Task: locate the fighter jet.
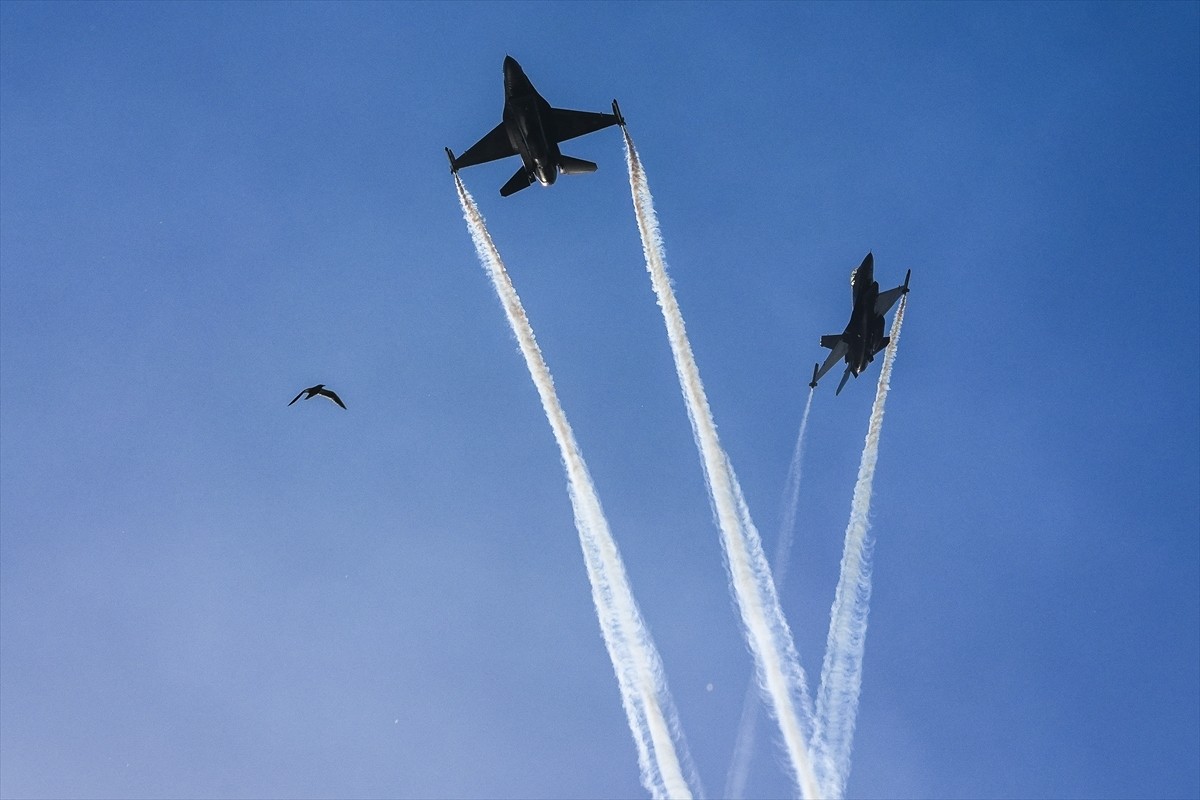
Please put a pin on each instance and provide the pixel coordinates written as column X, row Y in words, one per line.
column 319, row 389
column 533, row 129
column 863, row 337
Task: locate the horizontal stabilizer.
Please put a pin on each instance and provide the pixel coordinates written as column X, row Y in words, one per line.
column 845, row 377
column 575, row 166
column 882, row 343
column 829, row 342
column 516, row 183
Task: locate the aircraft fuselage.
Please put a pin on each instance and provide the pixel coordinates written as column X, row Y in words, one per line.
column 865, row 328
column 525, row 112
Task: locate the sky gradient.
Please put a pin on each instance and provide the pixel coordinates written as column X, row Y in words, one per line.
column 207, row 207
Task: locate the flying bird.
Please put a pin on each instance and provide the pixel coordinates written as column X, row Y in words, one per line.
column 319, row 389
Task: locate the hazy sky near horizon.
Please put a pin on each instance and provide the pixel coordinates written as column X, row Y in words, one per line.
column 206, row 207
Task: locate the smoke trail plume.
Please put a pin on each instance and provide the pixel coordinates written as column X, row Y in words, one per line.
column 644, row 693
column 743, row 746
column 841, row 674
column 767, row 633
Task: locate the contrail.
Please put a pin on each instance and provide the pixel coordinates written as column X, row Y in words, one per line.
column 767, row 633
column 644, row 693
column 743, row 747
column 841, row 674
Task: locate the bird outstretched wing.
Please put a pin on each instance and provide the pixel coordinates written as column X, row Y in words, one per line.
column 332, row 396
column 297, row 397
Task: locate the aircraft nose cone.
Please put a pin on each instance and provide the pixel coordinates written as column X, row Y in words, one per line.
column 515, row 81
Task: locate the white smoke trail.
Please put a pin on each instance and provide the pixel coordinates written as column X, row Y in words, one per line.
column 644, row 693
column 743, row 746
column 841, row 674
column 791, row 500
column 767, row 632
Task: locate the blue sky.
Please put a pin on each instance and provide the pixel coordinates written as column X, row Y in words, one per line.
column 204, row 208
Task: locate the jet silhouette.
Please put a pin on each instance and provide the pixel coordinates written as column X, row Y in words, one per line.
column 533, row 129
column 863, row 337
column 319, row 389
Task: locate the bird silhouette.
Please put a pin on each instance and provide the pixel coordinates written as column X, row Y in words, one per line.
column 319, row 389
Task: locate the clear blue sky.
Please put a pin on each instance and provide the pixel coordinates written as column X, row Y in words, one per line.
column 204, row 208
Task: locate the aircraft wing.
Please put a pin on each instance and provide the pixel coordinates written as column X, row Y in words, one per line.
column 570, row 124
column 492, row 147
column 839, row 352
column 885, row 300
